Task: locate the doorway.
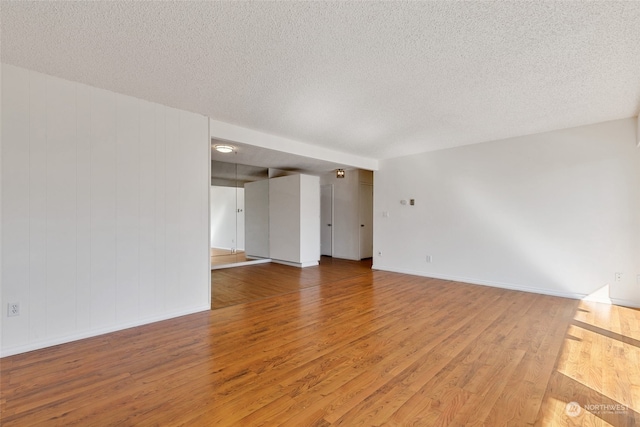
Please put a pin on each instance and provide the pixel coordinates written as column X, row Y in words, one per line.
column 365, row 210
column 326, row 220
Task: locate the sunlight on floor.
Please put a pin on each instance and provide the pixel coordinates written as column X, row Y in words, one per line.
column 613, row 318
column 598, row 369
column 600, row 363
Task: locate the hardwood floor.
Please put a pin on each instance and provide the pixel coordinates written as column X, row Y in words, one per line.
column 246, row 284
column 223, row 257
column 372, row 348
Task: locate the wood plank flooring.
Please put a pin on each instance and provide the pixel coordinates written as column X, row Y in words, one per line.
column 246, row 284
column 373, row 348
column 223, row 257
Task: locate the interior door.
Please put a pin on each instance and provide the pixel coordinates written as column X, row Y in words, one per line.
column 326, row 220
column 365, row 196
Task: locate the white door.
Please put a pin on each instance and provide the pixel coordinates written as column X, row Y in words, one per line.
column 366, row 220
column 326, row 220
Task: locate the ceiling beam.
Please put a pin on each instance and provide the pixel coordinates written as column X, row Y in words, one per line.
column 233, row 133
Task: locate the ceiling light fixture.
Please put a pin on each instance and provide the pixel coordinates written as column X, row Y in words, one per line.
column 339, row 173
column 223, row 148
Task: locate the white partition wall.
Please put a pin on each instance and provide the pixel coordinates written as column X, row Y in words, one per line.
column 294, row 220
column 104, row 211
column 309, row 220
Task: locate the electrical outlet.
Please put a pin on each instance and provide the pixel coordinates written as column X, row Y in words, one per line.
column 429, row 258
column 617, row 277
column 13, row 309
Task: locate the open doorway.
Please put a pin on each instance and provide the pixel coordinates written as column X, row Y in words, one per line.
column 365, row 210
column 326, row 220
column 347, row 214
column 341, row 209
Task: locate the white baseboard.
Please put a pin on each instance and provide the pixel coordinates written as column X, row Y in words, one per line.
column 625, row 303
column 296, row 264
column 251, row 261
column 96, row 332
column 231, row 250
column 493, row 284
column 510, row 286
column 309, row 264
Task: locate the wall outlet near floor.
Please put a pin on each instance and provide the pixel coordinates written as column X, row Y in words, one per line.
column 429, row 258
column 13, row 309
column 617, row 277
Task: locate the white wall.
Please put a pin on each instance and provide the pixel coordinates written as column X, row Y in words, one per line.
column 104, row 211
column 555, row 213
column 294, row 220
column 284, row 218
column 309, row 220
column 227, row 224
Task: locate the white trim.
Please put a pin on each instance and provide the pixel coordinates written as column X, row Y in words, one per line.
column 209, row 290
column 625, row 303
column 510, row 286
column 309, row 264
column 251, row 261
column 492, row 284
column 332, row 217
column 296, row 264
column 257, row 258
column 94, row 333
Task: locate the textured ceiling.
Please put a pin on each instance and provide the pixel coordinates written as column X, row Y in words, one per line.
column 378, row 79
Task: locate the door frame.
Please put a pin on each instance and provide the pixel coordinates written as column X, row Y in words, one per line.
column 361, row 214
column 332, row 217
